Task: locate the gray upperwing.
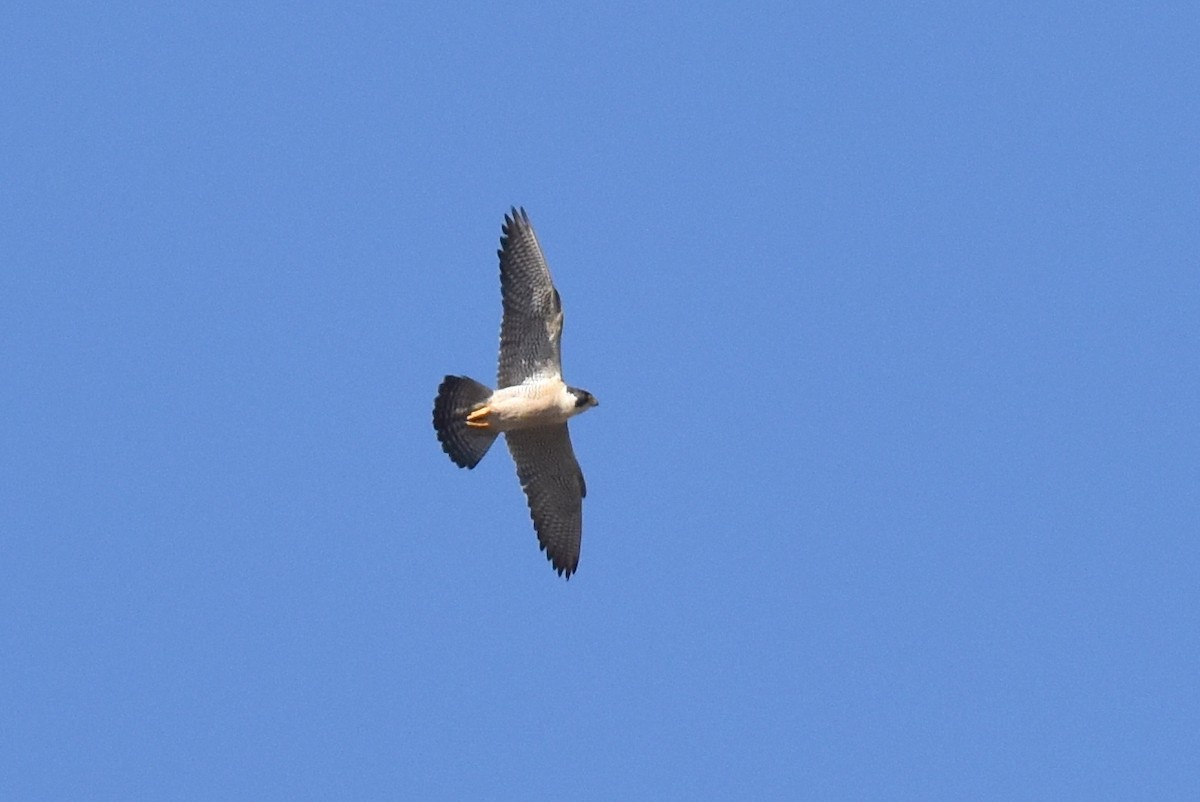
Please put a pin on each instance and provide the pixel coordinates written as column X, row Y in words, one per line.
column 554, row 487
column 531, row 329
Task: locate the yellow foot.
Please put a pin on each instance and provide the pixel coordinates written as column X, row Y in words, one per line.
column 478, row 418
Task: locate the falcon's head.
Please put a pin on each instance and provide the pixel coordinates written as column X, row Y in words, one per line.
column 583, row 399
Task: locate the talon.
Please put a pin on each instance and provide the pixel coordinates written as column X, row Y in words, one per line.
column 478, row 418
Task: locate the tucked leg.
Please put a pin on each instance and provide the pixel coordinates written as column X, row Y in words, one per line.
column 478, row 417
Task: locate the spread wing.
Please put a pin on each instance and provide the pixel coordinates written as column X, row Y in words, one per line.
column 532, row 325
column 555, row 489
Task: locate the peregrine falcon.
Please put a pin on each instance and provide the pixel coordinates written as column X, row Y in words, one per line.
column 532, row 404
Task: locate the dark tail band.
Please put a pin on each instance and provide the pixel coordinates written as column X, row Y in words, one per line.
column 456, row 396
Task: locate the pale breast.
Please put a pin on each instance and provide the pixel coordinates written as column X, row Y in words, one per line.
column 532, row 404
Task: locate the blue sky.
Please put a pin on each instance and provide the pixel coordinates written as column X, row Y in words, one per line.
column 892, row 313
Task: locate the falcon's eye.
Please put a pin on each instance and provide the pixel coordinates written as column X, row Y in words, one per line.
column 582, row 399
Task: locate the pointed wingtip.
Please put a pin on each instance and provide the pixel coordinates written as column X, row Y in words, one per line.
column 516, row 223
column 563, row 570
column 515, row 215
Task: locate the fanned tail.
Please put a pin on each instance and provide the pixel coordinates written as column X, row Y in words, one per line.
column 457, row 396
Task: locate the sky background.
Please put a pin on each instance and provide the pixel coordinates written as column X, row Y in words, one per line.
column 893, row 314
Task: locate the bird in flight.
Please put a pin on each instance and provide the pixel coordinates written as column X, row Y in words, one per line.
column 531, row 406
